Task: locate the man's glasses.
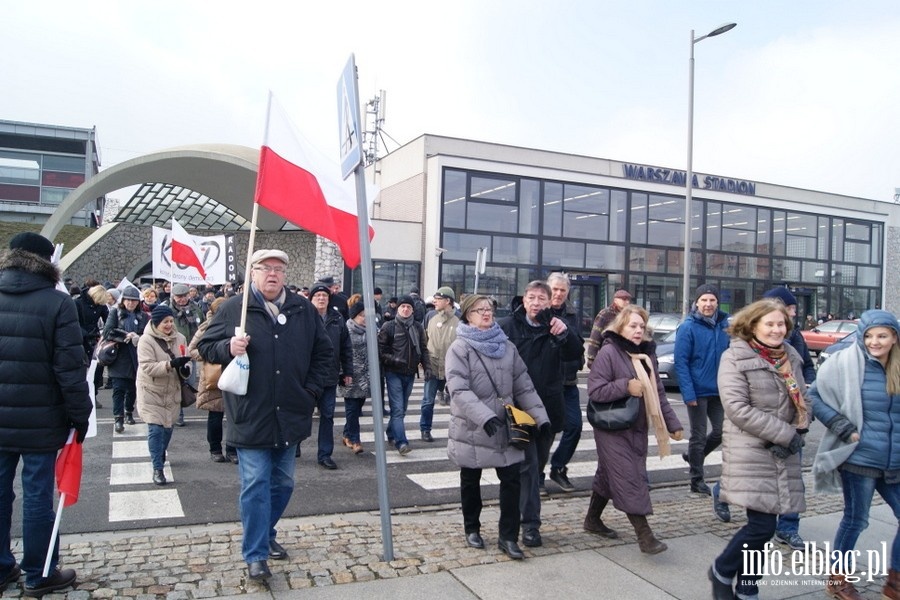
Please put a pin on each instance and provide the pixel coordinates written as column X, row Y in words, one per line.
column 270, row 269
column 483, row 311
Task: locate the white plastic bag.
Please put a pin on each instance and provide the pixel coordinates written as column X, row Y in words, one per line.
column 236, row 375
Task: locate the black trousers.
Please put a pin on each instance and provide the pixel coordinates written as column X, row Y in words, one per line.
column 470, row 495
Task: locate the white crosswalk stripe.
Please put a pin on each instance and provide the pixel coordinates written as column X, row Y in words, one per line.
column 445, row 475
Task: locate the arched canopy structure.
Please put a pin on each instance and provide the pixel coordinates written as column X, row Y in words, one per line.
column 224, row 172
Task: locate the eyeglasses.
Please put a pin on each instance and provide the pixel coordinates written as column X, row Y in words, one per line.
column 270, row 269
column 483, row 311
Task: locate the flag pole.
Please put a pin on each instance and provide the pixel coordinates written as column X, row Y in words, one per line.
column 253, row 226
column 59, row 510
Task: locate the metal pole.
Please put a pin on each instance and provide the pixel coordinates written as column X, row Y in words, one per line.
column 368, row 282
column 689, row 185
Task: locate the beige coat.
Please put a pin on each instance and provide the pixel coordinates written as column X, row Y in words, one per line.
column 208, row 397
column 758, row 411
column 158, row 386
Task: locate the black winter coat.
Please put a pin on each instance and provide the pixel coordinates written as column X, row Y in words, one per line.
column 567, row 313
column 90, row 315
column 336, row 328
column 125, row 365
column 289, row 364
column 43, row 379
column 544, row 354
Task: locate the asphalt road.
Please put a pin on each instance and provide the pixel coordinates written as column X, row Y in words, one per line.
column 207, row 492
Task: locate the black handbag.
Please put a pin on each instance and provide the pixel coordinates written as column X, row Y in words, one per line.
column 107, row 352
column 615, row 415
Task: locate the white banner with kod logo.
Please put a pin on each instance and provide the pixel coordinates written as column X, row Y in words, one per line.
column 217, row 254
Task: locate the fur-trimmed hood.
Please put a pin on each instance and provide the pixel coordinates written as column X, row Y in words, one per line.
column 18, row 269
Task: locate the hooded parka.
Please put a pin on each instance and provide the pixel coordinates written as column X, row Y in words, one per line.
column 43, row 382
column 759, row 411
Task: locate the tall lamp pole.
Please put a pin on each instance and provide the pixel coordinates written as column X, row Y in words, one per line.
column 689, row 183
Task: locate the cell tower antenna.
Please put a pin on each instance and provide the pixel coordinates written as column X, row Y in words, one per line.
column 375, row 111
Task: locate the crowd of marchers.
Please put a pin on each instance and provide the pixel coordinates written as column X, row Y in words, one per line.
column 511, row 384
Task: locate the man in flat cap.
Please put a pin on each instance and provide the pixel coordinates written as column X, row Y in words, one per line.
column 290, row 357
column 43, row 394
column 621, row 299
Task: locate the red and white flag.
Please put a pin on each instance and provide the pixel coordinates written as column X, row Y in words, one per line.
column 302, row 185
column 185, row 251
column 68, row 471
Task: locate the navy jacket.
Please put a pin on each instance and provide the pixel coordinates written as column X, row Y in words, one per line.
column 289, row 364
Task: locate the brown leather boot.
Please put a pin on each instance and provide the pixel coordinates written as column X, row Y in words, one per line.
column 891, row 589
column 838, row 587
column 647, row 542
column 593, row 523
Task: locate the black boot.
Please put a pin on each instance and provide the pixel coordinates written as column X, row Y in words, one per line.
column 120, row 425
column 593, row 523
column 129, row 418
column 159, row 478
column 647, row 542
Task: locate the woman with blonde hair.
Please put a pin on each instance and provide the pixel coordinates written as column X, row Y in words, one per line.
column 856, row 397
column 761, row 385
column 626, row 366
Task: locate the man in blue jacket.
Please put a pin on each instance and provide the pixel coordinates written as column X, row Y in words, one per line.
column 43, row 394
column 699, row 345
column 290, row 358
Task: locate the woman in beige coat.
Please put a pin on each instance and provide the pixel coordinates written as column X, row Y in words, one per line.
column 761, row 385
column 162, row 356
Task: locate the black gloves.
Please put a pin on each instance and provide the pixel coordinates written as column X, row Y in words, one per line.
column 842, row 427
column 544, row 317
column 493, row 426
column 428, row 375
column 783, row 452
column 179, row 361
column 80, row 431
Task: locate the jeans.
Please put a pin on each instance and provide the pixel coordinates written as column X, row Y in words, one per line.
column 432, row 386
column 399, row 388
column 267, row 482
column 858, row 493
column 325, row 404
column 571, row 433
column 700, row 444
column 215, row 432
column 37, row 512
column 530, row 477
column 157, row 441
column 470, row 496
column 352, row 411
column 759, row 529
column 123, row 394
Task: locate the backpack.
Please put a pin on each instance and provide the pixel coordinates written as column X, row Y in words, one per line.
column 418, row 309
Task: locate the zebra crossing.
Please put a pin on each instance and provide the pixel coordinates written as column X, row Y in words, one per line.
column 133, row 498
column 444, row 475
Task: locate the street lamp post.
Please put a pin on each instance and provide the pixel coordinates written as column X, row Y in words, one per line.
column 689, row 183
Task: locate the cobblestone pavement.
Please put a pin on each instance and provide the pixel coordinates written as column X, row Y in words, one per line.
column 205, row 562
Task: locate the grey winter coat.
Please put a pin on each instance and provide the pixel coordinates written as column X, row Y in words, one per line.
column 473, row 402
column 360, row 371
column 759, row 411
column 622, row 455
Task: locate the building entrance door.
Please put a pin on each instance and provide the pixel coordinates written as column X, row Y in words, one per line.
column 587, row 296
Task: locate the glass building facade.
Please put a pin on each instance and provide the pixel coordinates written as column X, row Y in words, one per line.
column 609, row 237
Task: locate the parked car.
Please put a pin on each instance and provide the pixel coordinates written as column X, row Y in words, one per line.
column 665, row 354
column 847, row 340
column 662, row 324
column 827, row 333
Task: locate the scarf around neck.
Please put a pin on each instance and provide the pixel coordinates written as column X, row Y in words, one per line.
column 490, row 342
column 407, row 323
column 778, row 358
column 273, row 307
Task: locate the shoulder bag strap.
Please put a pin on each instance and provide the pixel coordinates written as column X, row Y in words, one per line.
column 488, row 373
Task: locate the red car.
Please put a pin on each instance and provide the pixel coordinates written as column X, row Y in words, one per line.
column 828, row 333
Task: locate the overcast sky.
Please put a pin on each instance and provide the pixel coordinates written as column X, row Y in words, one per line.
column 801, row 93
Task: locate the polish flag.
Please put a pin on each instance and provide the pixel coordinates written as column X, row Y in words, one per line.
column 184, row 250
column 68, row 471
column 302, row 185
